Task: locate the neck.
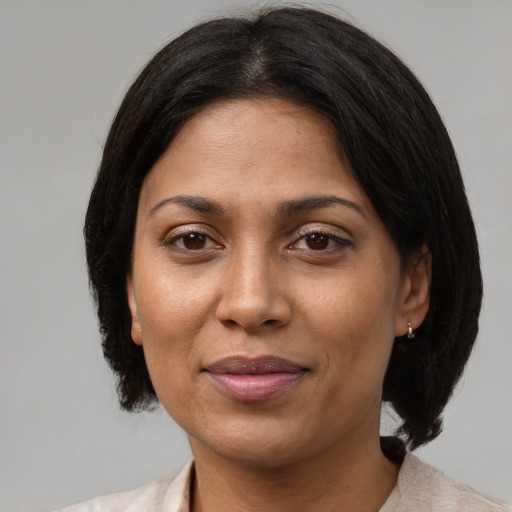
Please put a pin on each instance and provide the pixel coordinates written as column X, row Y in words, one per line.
column 350, row 479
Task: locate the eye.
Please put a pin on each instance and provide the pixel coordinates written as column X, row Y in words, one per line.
column 193, row 241
column 319, row 241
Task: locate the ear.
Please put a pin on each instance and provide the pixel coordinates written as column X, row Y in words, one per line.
column 414, row 297
column 132, row 304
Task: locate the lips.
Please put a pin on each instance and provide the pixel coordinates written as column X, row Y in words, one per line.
column 252, row 380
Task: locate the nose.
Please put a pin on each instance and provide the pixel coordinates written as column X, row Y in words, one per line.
column 253, row 295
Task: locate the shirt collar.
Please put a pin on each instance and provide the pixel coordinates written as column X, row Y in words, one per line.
column 177, row 496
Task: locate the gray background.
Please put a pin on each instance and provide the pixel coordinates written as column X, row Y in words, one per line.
column 64, row 67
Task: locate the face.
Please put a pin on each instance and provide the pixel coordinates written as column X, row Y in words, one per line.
column 265, row 291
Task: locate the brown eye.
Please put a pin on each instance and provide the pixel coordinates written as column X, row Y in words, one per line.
column 194, row 241
column 317, row 241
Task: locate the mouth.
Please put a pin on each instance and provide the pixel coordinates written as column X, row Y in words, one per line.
column 252, row 380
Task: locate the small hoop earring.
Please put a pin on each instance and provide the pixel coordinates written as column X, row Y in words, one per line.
column 410, row 331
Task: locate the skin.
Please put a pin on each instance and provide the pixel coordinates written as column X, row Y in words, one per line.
column 322, row 286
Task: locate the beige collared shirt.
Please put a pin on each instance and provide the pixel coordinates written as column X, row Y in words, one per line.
column 420, row 488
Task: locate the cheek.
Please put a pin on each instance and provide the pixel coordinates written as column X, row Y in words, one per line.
column 354, row 328
column 171, row 312
column 356, row 321
column 171, row 303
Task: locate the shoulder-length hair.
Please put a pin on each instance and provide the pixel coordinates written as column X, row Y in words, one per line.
column 395, row 142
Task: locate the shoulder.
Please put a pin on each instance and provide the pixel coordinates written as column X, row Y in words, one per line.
column 422, row 487
column 166, row 493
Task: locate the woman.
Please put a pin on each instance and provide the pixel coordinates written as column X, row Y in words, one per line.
column 279, row 241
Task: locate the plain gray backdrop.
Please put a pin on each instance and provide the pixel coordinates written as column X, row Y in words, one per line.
column 65, row 65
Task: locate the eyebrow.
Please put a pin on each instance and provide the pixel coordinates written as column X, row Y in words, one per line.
column 290, row 208
column 200, row 204
column 286, row 209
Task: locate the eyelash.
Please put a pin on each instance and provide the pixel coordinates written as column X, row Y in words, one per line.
column 304, row 234
column 176, row 237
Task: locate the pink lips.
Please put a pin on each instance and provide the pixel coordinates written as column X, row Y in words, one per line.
column 252, row 380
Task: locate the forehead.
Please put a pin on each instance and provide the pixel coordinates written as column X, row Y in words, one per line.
column 258, row 149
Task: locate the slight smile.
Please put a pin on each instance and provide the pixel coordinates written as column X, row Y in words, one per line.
column 252, row 380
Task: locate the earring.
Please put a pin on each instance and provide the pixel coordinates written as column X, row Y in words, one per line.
column 410, row 331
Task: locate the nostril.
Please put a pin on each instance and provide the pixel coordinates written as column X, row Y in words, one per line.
column 251, row 326
column 252, row 308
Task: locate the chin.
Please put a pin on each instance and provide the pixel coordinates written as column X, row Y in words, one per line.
column 260, row 443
